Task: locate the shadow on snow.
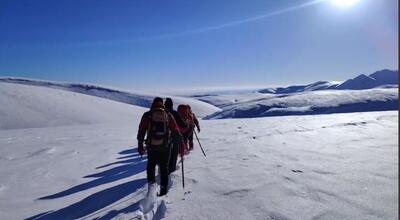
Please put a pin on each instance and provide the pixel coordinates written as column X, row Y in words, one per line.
column 133, row 164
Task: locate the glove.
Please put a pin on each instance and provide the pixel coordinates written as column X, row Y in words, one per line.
column 198, row 129
column 141, row 149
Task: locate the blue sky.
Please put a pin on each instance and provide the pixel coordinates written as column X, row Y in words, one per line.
column 149, row 44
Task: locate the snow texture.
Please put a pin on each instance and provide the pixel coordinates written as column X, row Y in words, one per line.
column 341, row 166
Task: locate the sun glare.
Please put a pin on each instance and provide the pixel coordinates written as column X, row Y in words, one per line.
column 344, row 3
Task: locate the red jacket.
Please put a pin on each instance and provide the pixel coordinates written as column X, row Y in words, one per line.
column 145, row 122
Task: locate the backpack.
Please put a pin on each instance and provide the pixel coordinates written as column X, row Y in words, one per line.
column 158, row 131
column 186, row 115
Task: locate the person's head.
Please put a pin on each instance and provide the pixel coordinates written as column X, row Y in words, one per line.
column 157, row 103
column 168, row 103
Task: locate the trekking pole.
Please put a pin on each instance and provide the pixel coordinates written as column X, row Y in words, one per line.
column 199, row 142
column 183, row 174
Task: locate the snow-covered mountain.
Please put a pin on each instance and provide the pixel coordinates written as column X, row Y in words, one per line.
column 383, row 78
column 313, row 102
column 378, row 79
column 360, row 82
column 320, row 85
column 386, row 77
column 376, row 92
column 225, row 100
column 133, row 98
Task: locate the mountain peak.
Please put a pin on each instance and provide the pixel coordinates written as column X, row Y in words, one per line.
column 362, row 81
column 363, row 77
column 386, row 76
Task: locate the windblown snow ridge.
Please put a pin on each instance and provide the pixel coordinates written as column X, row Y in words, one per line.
column 26, row 106
column 143, row 100
column 103, row 92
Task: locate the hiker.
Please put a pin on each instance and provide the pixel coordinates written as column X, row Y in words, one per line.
column 176, row 137
column 195, row 123
column 157, row 125
column 191, row 120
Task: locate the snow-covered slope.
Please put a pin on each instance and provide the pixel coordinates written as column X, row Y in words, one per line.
column 79, row 161
column 320, row 85
column 314, row 102
column 25, row 106
column 224, row 100
column 134, row 98
column 341, row 166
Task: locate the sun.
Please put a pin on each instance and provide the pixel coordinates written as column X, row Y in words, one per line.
column 344, row 3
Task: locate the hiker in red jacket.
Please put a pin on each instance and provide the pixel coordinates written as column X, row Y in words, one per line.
column 157, row 125
column 191, row 120
column 176, row 138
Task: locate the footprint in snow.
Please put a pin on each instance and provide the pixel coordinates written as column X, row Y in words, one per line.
column 297, row 171
column 49, row 150
column 289, row 179
column 193, row 181
column 323, row 172
column 237, row 193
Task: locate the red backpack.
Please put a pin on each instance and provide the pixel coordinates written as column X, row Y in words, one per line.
column 186, row 114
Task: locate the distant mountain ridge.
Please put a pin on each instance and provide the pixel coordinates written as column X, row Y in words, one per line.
column 375, row 92
column 382, row 78
column 313, row 103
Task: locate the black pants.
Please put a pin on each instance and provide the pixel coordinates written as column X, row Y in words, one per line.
column 176, row 141
column 190, row 139
column 160, row 158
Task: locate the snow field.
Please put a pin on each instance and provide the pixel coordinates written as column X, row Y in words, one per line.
column 65, row 155
column 341, row 166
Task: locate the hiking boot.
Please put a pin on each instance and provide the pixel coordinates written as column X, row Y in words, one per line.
column 163, row 191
